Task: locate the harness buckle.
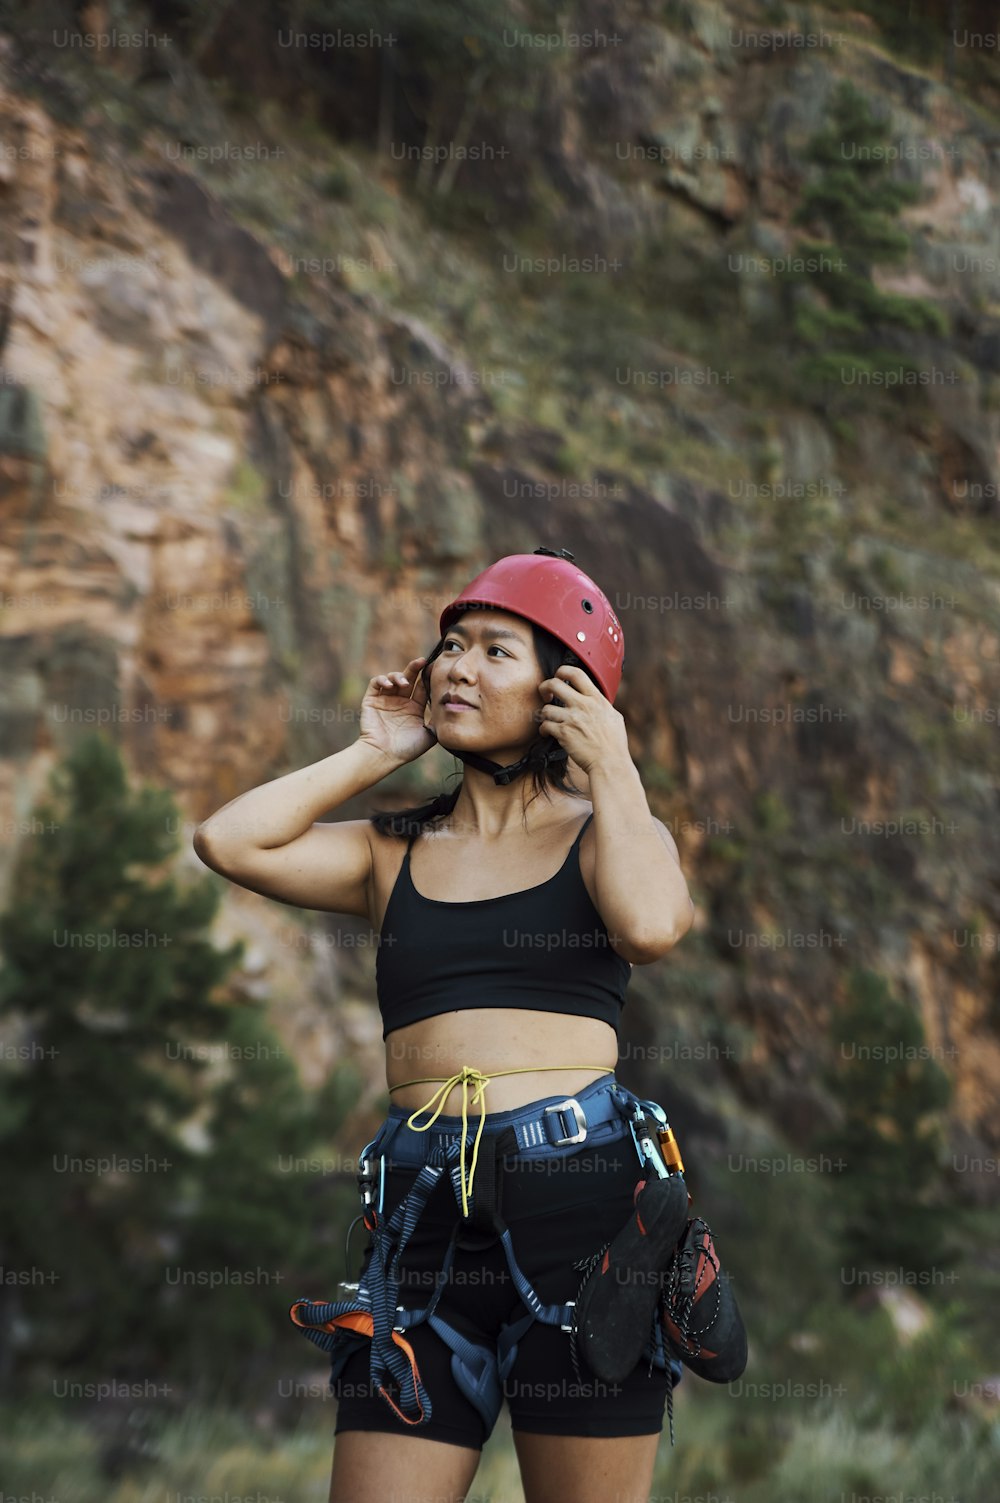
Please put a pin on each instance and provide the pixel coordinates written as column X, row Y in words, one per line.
column 564, row 1327
column 571, row 1104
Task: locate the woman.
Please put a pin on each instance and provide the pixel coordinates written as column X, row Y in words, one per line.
column 508, row 928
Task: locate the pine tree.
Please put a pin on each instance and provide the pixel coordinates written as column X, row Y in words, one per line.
column 125, row 1160
column 106, row 970
column 255, row 1226
column 453, row 63
column 892, row 1136
column 851, row 328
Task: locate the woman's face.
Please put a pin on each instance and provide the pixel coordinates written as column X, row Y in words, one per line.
column 487, row 659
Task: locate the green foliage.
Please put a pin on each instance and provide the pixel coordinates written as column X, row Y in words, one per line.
column 248, row 488
column 22, row 428
column 910, row 1378
column 656, row 777
column 924, row 30
column 247, row 1224
column 729, row 851
column 771, row 814
column 142, row 1120
column 455, row 61
column 336, row 183
column 848, row 330
column 892, row 1095
column 442, row 34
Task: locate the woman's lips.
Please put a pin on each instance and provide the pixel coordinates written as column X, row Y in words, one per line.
column 459, row 707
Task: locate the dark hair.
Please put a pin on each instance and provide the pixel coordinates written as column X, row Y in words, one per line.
column 546, row 758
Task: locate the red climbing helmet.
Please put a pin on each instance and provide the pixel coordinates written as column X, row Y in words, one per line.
column 554, row 594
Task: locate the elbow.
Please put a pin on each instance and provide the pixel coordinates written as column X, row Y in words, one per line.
column 686, row 920
column 202, row 842
column 683, row 924
column 647, row 948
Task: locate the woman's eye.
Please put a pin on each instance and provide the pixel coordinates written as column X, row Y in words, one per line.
column 489, row 649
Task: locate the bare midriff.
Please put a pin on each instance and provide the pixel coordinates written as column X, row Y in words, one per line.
column 540, row 1045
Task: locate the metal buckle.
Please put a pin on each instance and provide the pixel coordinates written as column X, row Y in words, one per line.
column 571, row 1104
column 366, row 1179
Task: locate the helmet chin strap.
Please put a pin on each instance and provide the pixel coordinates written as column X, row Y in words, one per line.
column 503, row 775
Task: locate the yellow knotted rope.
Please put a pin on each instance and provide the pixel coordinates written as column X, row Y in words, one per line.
column 463, row 1078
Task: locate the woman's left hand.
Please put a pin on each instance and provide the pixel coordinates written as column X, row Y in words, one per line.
column 586, row 725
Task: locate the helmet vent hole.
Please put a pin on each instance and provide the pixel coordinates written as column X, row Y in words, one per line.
column 588, row 606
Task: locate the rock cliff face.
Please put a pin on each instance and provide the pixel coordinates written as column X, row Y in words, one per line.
column 229, row 493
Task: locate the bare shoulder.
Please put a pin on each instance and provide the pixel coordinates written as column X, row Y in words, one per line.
column 588, row 858
column 587, row 844
column 588, row 849
column 387, row 859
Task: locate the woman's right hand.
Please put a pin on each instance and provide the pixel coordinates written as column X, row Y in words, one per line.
column 392, row 714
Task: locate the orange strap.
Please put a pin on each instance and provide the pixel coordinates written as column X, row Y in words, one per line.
column 364, row 1322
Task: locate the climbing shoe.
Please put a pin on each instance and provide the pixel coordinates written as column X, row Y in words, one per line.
column 698, row 1309
column 616, row 1303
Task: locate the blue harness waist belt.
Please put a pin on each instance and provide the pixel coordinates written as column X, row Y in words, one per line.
column 555, row 1127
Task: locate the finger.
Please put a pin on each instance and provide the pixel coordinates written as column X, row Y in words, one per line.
column 418, row 682
column 558, row 686
column 575, row 677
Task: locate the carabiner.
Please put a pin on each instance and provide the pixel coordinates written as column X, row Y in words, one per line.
column 653, row 1109
column 649, row 1149
column 669, row 1149
column 366, row 1185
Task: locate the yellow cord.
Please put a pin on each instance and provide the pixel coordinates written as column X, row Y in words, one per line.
column 463, row 1077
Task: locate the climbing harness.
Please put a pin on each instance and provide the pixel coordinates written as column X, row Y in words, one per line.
column 601, row 1112
column 466, row 1077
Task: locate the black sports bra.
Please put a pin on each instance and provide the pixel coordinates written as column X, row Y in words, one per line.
column 545, row 948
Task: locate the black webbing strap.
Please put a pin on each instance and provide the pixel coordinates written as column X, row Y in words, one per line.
column 485, row 1222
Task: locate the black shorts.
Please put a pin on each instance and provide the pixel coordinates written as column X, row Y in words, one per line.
column 558, row 1211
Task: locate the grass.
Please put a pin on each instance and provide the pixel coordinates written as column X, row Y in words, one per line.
column 832, row 1403
column 846, row 1418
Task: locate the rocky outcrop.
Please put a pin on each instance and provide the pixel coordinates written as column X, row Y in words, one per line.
column 230, row 493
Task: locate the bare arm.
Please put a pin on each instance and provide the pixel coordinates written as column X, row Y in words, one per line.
column 268, row 839
column 642, row 894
